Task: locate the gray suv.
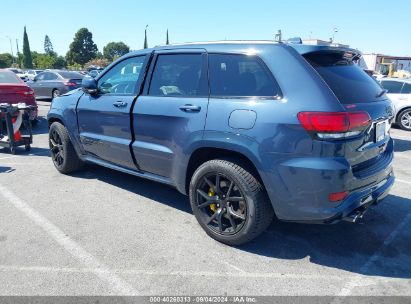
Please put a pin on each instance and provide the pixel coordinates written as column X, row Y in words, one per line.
column 247, row 130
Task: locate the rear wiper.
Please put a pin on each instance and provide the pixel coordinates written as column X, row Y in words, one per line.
column 381, row 93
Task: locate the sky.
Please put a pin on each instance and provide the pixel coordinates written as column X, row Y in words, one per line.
column 372, row 26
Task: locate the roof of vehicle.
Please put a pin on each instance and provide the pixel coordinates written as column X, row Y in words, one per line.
column 217, row 46
column 407, row 80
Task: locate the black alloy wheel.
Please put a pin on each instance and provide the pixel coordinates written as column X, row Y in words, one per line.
column 222, row 205
column 56, row 148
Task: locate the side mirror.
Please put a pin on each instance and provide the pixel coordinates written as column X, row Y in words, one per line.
column 89, row 85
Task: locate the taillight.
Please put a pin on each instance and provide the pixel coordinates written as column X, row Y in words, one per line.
column 337, row 196
column 26, row 93
column 70, row 84
column 334, row 125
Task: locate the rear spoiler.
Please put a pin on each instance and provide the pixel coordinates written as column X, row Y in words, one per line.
column 304, row 49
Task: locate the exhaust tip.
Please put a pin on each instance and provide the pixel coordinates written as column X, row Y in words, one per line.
column 353, row 217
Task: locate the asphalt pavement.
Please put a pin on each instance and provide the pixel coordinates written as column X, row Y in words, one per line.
column 101, row 232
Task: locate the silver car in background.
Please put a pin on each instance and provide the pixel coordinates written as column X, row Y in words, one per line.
column 399, row 91
column 53, row 83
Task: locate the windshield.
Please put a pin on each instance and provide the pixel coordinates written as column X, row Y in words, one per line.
column 346, row 79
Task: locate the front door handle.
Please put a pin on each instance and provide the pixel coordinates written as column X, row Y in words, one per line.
column 190, row 108
column 120, row 104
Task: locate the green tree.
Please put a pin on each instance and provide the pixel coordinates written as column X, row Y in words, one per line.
column 82, row 49
column 60, row 63
column 6, row 60
column 114, row 50
column 27, row 59
column 48, row 46
column 167, row 41
column 74, row 67
column 102, row 63
column 45, row 61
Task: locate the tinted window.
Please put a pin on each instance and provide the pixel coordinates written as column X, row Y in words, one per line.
column 8, row 77
column 50, row 76
column 240, row 75
column 393, row 87
column 179, row 75
column 347, row 80
column 406, row 89
column 122, row 78
column 71, row 75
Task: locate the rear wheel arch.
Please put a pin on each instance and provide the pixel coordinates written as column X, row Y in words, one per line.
column 204, row 154
column 54, row 119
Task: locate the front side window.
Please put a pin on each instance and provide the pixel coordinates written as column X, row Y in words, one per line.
column 122, row 78
column 178, row 75
column 40, row 77
column 393, row 87
column 240, row 75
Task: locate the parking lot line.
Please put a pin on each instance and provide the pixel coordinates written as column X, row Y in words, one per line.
column 403, row 181
column 73, row 248
column 178, row 273
column 31, row 154
column 357, row 280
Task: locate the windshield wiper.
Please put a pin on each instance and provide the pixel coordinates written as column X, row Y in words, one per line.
column 381, row 93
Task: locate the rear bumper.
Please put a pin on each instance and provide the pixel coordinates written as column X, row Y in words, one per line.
column 359, row 202
column 299, row 187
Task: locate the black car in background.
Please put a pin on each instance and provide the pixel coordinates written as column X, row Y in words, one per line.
column 52, row 83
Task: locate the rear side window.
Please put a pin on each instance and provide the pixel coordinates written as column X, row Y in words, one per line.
column 240, row 75
column 347, row 80
column 179, row 75
column 8, row 77
column 50, row 76
column 393, row 87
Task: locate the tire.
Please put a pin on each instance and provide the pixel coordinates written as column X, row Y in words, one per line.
column 55, row 93
column 404, row 120
column 255, row 207
column 64, row 157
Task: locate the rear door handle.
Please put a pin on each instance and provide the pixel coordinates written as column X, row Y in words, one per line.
column 190, row 108
column 120, row 104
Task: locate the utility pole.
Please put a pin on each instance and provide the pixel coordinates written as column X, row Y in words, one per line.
column 11, row 49
column 335, row 30
column 18, row 54
column 145, row 37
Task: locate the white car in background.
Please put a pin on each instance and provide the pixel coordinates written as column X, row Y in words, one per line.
column 32, row 73
column 20, row 74
column 399, row 91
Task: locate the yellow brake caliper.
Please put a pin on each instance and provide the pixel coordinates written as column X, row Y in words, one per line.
column 211, row 192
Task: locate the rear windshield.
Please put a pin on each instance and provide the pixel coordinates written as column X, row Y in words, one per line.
column 6, row 77
column 71, row 75
column 346, row 79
